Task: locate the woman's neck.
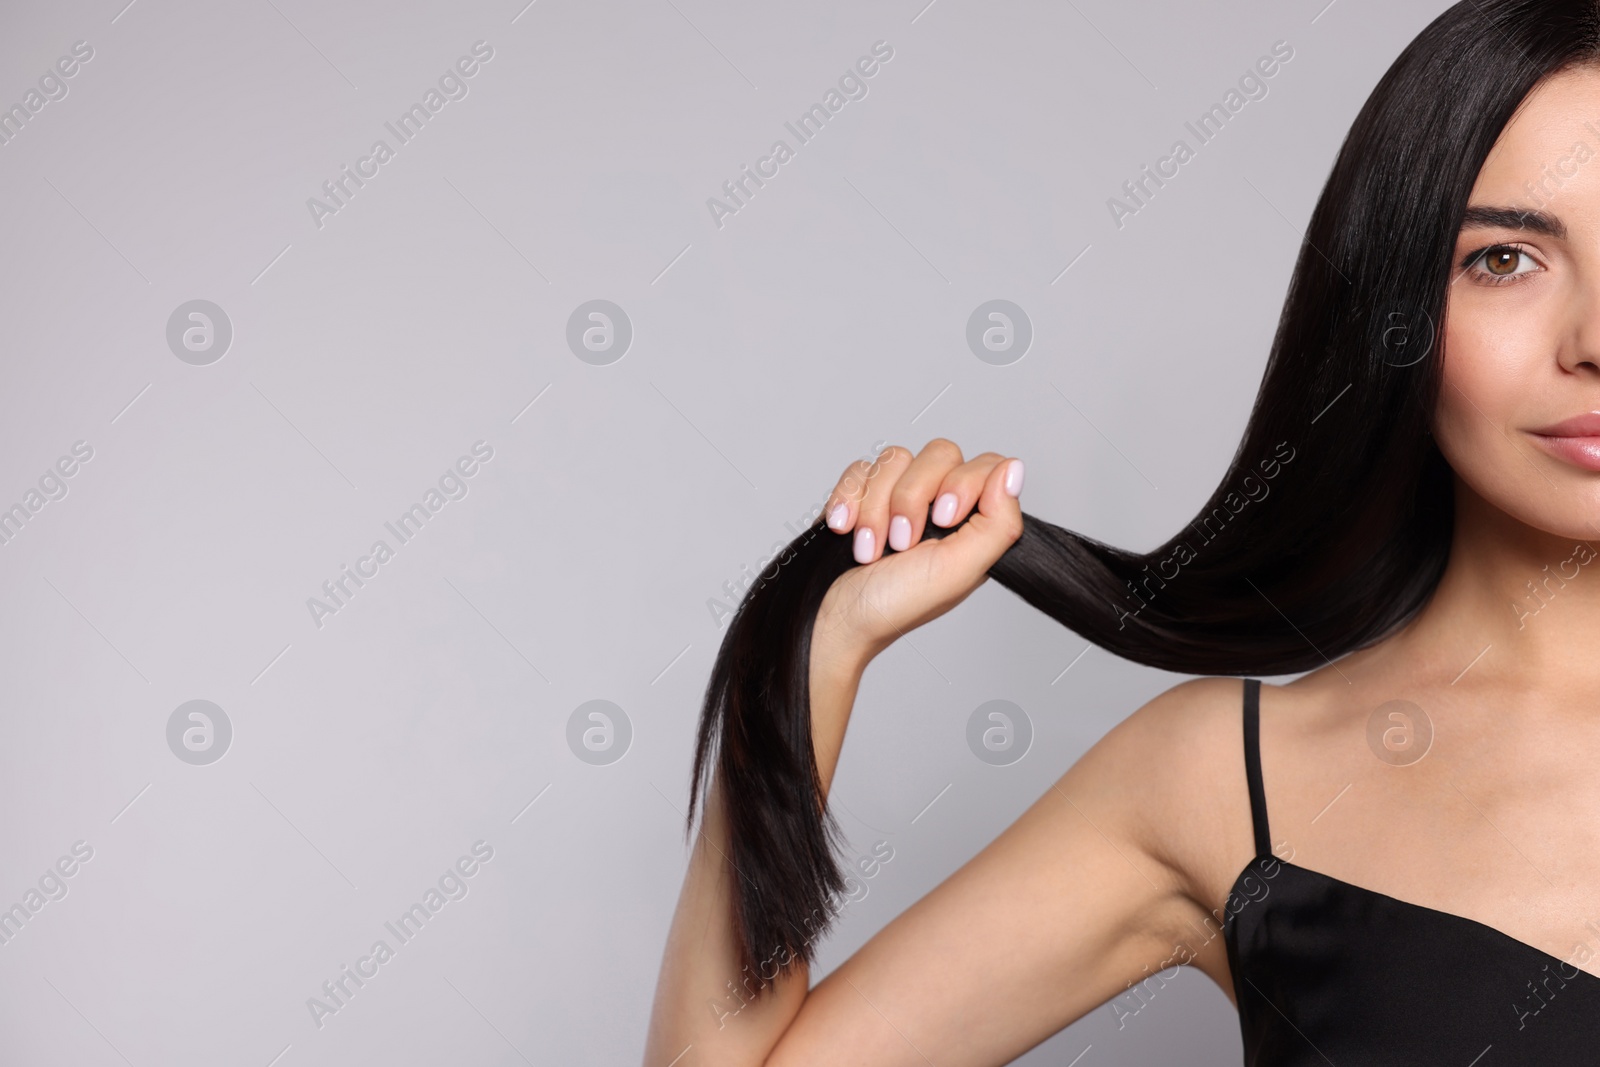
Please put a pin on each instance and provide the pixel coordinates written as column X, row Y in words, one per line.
column 1515, row 602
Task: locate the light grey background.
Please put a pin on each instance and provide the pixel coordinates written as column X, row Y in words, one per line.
column 429, row 313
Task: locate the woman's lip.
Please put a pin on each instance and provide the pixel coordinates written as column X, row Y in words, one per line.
column 1585, row 425
column 1579, row 451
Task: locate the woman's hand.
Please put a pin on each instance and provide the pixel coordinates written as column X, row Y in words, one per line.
column 884, row 504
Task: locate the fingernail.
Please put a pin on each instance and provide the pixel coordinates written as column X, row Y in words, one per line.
column 1013, row 484
column 899, row 533
column 864, row 544
column 838, row 516
column 944, row 509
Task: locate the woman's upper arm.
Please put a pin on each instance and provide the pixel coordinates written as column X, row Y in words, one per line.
column 1057, row 915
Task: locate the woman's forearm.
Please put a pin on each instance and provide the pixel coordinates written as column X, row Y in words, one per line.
column 701, row 998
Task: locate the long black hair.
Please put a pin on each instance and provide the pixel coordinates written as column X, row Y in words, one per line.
column 1349, row 547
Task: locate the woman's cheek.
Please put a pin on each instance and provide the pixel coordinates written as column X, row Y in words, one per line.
column 1488, row 373
column 1467, row 406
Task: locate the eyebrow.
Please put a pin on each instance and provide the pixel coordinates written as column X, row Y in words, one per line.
column 1515, row 219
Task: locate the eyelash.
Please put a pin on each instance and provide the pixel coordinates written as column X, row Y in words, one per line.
column 1483, row 277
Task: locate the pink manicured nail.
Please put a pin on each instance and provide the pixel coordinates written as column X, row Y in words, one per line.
column 864, row 545
column 1013, row 484
column 944, row 509
column 838, row 516
column 899, row 533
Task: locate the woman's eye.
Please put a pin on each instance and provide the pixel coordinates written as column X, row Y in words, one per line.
column 1501, row 263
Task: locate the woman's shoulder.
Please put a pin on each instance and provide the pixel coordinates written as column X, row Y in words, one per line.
column 1182, row 736
column 1188, row 734
column 1175, row 771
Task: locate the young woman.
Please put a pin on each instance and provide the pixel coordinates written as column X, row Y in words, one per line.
column 1394, row 859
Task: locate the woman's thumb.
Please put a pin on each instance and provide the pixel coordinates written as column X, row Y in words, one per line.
column 994, row 526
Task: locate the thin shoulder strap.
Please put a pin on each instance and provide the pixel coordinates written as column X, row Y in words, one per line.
column 1252, row 764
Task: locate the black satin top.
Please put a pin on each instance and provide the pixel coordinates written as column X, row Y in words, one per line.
column 1327, row 973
